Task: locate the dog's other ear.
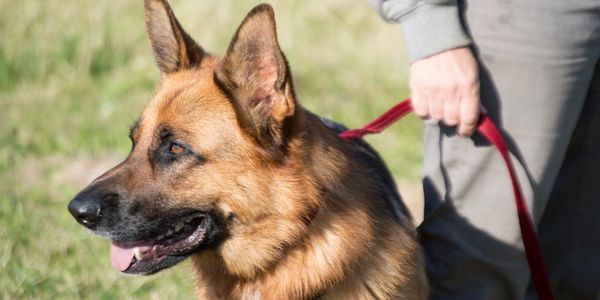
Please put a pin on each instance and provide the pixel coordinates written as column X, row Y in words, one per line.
column 254, row 73
column 173, row 48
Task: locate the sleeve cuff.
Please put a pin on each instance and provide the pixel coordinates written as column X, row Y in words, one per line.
column 431, row 29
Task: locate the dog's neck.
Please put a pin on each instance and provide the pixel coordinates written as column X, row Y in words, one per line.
column 314, row 264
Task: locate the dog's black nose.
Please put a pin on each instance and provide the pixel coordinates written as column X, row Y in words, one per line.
column 86, row 209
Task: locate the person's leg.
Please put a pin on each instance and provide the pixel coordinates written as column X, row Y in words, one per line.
column 569, row 231
column 537, row 59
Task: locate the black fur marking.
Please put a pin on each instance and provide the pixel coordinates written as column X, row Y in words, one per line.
column 132, row 129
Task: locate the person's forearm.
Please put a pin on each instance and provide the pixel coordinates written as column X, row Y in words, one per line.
column 429, row 27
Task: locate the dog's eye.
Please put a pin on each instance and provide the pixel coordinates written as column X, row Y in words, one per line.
column 176, row 149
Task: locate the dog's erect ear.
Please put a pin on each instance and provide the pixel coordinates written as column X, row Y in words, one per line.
column 255, row 74
column 174, row 49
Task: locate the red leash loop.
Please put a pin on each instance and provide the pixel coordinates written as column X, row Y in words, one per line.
column 382, row 122
column 490, row 132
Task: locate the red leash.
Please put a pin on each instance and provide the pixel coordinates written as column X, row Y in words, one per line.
column 490, row 132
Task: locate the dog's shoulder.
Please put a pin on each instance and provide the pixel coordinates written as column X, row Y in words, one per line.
column 367, row 156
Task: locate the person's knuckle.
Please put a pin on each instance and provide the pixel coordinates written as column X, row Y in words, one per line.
column 450, row 121
column 436, row 117
column 466, row 130
column 430, row 85
column 454, row 88
column 452, row 112
column 418, row 101
column 447, row 88
column 468, row 82
column 419, row 107
column 472, row 118
column 437, row 113
column 468, row 122
column 421, row 112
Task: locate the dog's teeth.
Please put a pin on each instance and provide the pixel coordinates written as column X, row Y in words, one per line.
column 179, row 226
column 137, row 253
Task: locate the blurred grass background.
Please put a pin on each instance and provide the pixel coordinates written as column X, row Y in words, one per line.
column 75, row 74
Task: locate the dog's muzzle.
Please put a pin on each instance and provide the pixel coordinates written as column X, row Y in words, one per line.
column 145, row 239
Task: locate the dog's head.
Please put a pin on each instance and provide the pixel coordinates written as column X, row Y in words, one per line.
column 210, row 167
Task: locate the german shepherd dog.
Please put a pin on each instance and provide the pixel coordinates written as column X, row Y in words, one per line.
column 226, row 168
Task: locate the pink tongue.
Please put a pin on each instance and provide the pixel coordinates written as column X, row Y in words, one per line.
column 121, row 256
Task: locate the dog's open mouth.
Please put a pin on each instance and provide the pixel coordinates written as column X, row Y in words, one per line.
column 165, row 250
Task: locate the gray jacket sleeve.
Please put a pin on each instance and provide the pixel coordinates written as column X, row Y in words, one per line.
column 429, row 26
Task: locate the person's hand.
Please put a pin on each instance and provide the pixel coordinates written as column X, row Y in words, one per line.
column 445, row 87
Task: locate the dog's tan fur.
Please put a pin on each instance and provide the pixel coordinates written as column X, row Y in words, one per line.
column 270, row 165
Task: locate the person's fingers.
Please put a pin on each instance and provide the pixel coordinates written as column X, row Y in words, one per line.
column 419, row 103
column 469, row 115
column 436, row 106
column 452, row 111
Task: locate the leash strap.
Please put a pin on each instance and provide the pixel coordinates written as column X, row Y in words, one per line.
column 490, row 132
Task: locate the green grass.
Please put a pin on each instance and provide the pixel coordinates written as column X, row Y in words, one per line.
column 75, row 74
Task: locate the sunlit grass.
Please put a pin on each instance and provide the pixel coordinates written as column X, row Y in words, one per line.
column 75, row 74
